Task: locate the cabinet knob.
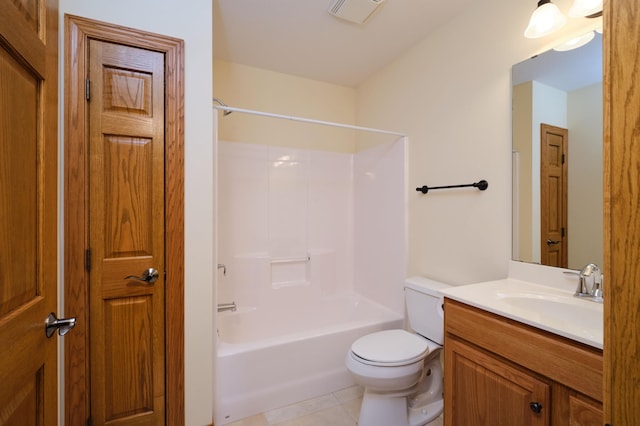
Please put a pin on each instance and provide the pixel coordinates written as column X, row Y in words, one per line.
column 536, row 407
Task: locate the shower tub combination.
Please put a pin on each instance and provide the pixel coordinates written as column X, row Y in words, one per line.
column 275, row 356
column 313, row 246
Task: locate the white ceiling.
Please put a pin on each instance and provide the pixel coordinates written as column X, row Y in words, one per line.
column 566, row 71
column 300, row 37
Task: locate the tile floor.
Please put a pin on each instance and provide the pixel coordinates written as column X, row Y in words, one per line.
column 340, row 408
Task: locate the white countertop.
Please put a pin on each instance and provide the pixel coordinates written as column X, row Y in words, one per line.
column 548, row 308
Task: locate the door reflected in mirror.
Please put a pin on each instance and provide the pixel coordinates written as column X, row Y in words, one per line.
column 557, row 158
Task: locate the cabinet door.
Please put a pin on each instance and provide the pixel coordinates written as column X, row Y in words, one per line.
column 481, row 390
column 584, row 412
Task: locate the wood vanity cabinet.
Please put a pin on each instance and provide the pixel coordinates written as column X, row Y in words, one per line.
column 499, row 372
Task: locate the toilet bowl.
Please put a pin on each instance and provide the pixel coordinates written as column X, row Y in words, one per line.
column 372, row 356
column 400, row 370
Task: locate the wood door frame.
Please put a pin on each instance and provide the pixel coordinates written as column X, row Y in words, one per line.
column 78, row 32
column 621, row 96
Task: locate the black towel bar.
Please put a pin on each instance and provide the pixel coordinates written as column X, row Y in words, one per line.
column 482, row 185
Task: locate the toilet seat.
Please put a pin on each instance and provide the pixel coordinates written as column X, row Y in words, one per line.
column 390, row 348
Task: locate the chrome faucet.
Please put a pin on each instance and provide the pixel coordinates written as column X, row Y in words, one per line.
column 227, row 307
column 590, row 283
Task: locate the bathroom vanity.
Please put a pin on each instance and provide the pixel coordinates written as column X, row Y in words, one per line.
column 503, row 371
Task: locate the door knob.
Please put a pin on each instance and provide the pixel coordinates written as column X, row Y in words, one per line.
column 551, row 242
column 63, row 325
column 149, row 276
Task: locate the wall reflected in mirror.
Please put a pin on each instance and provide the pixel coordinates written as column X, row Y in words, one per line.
column 557, row 158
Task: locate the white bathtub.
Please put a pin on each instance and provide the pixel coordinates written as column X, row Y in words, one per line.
column 270, row 358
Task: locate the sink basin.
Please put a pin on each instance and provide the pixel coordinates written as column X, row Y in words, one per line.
column 579, row 313
column 552, row 309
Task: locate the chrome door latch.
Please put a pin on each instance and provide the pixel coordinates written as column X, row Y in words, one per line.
column 63, row 325
column 149, row 276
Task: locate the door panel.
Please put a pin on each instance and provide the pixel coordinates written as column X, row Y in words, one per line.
column 128, row 180
column 129, row 385
column 126, row 233
column 25, row 408
column 28, row 210
column 18, row 208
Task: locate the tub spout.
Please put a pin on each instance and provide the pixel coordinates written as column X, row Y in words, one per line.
column 227, row 307
column 223, row 267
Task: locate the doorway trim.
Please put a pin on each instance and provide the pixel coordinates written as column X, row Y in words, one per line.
column 78, row 31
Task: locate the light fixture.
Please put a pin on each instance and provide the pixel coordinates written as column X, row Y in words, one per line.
column 586, row 8
column 575, row 42
column 546, row 19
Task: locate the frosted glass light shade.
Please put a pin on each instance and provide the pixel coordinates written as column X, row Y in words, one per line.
column 546, row 19
column 582, row 8
column 575, row 42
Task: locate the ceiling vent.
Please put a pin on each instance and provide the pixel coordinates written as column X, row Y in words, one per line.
column 357, row 11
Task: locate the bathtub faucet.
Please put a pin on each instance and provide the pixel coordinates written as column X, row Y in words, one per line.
column 227, row 307
column 223, row 267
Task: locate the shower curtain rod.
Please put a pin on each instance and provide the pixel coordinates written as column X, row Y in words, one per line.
column 307, row 120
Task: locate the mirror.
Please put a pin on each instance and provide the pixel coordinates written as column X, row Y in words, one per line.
column 557, row 158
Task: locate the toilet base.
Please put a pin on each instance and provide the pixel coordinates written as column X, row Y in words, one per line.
column 419, row 416
column 384, row 410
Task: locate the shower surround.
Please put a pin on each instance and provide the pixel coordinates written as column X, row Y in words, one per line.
column 314, row 245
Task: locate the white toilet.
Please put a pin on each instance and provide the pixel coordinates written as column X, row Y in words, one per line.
column 400, row 370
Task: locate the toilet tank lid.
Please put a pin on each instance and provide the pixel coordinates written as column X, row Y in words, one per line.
column 426, row 285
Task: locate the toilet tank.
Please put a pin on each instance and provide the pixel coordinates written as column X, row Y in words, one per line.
column 424, row 307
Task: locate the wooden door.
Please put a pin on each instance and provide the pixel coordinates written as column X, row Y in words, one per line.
column 28, row 210
column 621, row 207
column 553, row 195
column 126, row 234
column 481, row 389
column 127, row 109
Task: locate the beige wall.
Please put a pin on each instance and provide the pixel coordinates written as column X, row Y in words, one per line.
column 522, row 146
column 262, row 90
column 452, row 94
column 585, row 176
